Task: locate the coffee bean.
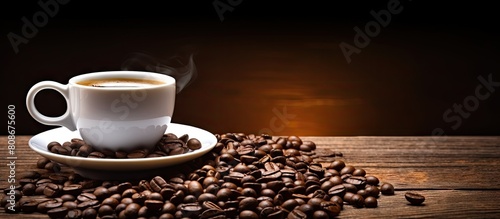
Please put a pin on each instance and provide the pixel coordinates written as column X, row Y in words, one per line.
column 157, row 183
column 372, row 180
column 101, row 193
column 29, row 206
column 193, row 144
column 337, row 165
column 86, row 197
column 52, row 167
column 414, row 198
column 190, row 210
column 357, row 201
column 140, row 153
column 132, row 210
column 96, row 154
column 248, row 203
column 347, row 170
column 52, row 190
column 359, row 172
column 29, row 189
column 89, row 213
column 73, row 189
column 212, row 213
column 70, row 205
column 247, row 214
column 296, row 214
column 184, row 138
column 371, row 202
column 57, row 213
column 110, row 201
column 74, row 214
column 153, row 205
column 105, row 210
column 372, row 190
column 88, row 204
column 387, row 189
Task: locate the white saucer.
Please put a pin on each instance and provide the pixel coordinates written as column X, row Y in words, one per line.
column 120, row 168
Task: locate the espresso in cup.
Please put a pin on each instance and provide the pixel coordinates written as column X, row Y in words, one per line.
column 119, row 82
column 118, row 110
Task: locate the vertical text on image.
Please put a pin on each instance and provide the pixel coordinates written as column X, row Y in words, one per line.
column 11, row 140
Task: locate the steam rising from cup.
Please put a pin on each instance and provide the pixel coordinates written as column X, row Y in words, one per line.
column 184, row 74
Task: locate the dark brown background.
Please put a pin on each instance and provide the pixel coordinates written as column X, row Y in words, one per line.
column 267, row 56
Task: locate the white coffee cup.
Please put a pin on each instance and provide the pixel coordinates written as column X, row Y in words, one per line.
column 123, row 117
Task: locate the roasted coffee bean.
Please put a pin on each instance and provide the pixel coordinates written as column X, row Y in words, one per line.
column 359, row 172
column 275, row 185
column 74, row 214
column 372, row 190
column 96, row 154
column 347, row 170
column 372, row 180
column 29, row 206
column 42, row 161
column 387, row 189
column 153, row 205
column 84, row 150
column 362, row 192
column 350, row 187
column 89, row 213
column 290, row 204
column 101, row 193
column 169, row 208
column 29, row 189
column 52, row 190
column 190, row 210
column 184, row 138
column 297, row 214
column 207, row 197
column 73, row 189
column 58, row 213
column 120, row 154
column 414, row 198
column 141, row 153
column 110, row 201
column 52, row 167
column 371, row 202
column 247, row 214
column 193, row 144
column 320, row 214
column 223, row 194
column 157, row 183
column 86, row 197
column 357, row 201
column 70, row 205
column 132, row 210
column 248, row 203
column 88, row 204
column 337, row 165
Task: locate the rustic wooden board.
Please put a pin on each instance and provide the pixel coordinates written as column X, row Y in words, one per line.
column 460, row 176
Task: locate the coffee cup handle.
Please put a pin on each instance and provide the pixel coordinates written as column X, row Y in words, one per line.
column 63, row 120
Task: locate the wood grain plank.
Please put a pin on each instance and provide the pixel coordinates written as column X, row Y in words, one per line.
column 460, row 176
column 438, row 204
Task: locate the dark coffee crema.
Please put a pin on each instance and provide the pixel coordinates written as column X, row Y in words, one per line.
column 120, row 82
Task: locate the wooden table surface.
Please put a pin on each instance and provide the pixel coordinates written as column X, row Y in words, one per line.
column 460, row 176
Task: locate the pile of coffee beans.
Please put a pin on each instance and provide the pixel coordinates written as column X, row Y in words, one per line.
column 168, row 145
column 244, row 176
